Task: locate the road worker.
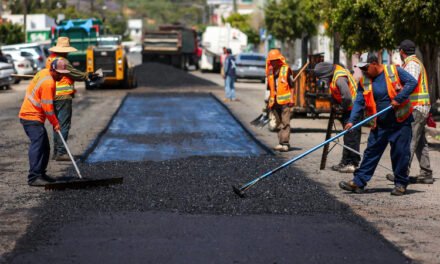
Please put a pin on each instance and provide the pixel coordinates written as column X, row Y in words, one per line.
column 279, row 81
column 36, row 107
column 65, row 91
column 343, row 93
column 420, row 101
column 381, row 86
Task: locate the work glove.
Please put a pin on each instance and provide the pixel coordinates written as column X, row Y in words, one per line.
column 93, row 76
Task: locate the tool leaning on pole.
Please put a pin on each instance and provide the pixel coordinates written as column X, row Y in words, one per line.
column 240, row 190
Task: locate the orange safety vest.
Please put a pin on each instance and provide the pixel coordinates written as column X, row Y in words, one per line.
column 38, row 101
column 283, row 93
column 420, row 95
column 66, row 85
column 393, row 86
column 334, row 90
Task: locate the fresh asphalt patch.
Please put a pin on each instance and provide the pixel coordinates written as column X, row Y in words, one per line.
column 175, row 208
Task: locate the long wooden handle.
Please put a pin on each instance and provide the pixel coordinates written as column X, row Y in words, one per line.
column 22, row 75
column 300, row 71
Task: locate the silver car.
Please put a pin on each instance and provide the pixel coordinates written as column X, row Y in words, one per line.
column 251, row 66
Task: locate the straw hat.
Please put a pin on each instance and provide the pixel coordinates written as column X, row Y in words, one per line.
column 63, row 46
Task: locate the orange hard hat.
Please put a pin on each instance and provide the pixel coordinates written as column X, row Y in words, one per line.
column 274, row 54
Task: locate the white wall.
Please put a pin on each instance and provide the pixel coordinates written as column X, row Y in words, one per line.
column 33, row 21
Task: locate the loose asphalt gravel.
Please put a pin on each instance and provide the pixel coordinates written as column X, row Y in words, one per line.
column 184, row 211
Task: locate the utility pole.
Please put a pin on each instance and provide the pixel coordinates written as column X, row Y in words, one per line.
column 234, row 5
column 25, row 11
column 336, row 48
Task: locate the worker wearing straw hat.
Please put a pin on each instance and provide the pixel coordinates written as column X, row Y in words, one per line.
column 64, row 94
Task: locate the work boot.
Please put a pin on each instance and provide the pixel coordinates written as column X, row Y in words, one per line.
column 337, row 166
column 398, row 190
column 390, row 177
column 281, row 148
column 349, row 168
column 63, row 157
column 425, row 179
column 351, row 187
column 38, row 182
column 48, row 178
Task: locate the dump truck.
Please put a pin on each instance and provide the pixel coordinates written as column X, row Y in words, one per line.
column 171, row 44
column 82, row 33
column 109, row 56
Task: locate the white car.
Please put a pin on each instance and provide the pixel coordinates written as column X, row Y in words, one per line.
column 6, row 79
column 38, row 52
column 22, row 64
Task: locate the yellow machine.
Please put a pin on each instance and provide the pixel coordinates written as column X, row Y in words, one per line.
column 110, row 57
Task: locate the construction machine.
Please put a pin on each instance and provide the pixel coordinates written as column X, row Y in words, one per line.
column 310, row 99
column 109, row 56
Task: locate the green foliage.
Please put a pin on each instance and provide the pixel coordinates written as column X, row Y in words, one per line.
column 242, row 22
column 418, row 20
column 11, row 34
column 291, row 19
column 361, row 25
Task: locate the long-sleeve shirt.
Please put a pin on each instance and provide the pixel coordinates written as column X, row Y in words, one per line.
column 344, row 89
column 382, row 99
column 415, row 69
column 38, row 101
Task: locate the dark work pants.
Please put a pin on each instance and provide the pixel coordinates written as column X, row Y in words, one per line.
column 39, row 149
column 400, row 140
column 353, row 141
column 63, row 110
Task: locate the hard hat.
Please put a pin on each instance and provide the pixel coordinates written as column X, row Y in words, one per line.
column 274, row 54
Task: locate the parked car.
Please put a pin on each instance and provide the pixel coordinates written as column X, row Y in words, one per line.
column 251, row 66
column 21, row 66
column 38, row 51
column 6, row 79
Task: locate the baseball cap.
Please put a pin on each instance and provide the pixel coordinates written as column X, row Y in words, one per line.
column 408, row 47
column 366, row 58
column 59, row 66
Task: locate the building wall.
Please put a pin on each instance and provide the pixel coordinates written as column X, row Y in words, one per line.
column 33, row 21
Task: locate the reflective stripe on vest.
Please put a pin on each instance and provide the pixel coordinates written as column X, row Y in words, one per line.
column 334, row 91
column 283, row 93
column 393, row 85
column 420, row 95
column 31, row 96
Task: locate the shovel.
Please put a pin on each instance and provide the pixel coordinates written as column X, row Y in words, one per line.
column 80, row 182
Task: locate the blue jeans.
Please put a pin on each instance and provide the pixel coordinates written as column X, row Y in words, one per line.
column 400, row 140
column 229, row 87
column 63, row 110
column 39, row 149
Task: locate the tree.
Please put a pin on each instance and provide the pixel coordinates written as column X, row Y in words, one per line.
column 376, row 24
column 418, row 20
column 288, row 20
column 242, row 22
column 11, row 33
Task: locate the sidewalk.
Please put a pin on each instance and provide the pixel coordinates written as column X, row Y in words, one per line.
column 411, row 222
